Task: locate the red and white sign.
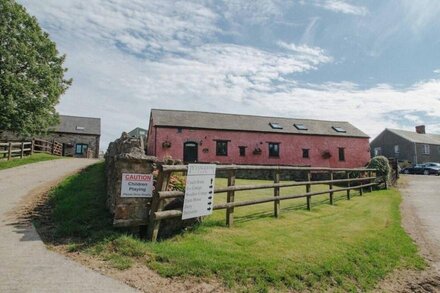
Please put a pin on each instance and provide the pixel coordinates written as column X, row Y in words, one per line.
column 137, row 185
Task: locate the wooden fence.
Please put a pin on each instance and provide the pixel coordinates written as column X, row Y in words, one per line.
column 10, row 150
column 360, row 179
column 50, row 147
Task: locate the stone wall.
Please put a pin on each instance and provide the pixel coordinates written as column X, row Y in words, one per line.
column 126, row 155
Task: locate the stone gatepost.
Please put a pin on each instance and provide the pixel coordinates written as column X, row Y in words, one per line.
column 126, row 155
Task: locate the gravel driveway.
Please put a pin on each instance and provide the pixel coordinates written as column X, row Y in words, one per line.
column 25, row 263
column 421, row 213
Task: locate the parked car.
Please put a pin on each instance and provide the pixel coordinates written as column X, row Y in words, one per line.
column 425, row 169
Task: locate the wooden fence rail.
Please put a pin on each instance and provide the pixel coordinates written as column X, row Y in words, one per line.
column 364, row 180
column 11, row 150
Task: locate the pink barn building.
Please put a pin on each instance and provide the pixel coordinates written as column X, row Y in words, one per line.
column 244, row 139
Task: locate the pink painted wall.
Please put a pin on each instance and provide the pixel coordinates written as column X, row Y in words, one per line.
column 357, row 151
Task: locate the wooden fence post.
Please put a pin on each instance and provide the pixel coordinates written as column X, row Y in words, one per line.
column 371, row 181
column 348, row 185
column 331, row 187
column 361, row 190
column 53, row 146
column 276, row 193
column 308, row 189
column 32, row 146
column 157, row 205
column 22, row 150
column 10, row 151
column 230, row 198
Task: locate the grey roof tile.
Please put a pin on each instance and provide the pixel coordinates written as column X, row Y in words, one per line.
column 208, row 120
column 417, row 137
column 80, row 125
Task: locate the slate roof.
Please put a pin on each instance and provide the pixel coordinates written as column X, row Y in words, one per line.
column 417, row 137
column 220, row 121
column 80, row 125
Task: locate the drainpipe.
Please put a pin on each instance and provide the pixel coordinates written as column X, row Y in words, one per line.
column 155, row 141
column 415, row 153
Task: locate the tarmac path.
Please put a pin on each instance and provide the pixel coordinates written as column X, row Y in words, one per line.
column 25, row 263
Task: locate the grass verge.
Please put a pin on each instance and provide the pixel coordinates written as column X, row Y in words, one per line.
column 349, row 246
column 35, row 158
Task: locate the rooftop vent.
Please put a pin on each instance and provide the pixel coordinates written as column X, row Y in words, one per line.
column 420, row 129
column 300, row 126
column 275, row 125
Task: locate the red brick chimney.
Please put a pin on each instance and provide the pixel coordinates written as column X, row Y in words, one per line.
column 420, row 129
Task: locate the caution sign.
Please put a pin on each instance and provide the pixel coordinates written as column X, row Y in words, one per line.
column 137, row 185
column 199, row 191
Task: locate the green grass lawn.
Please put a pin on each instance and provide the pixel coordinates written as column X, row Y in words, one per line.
column 349, row 246
column 38, row 157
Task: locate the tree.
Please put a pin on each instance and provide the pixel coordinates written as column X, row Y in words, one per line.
column 31, row 73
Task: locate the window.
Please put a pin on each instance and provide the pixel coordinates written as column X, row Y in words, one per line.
column 396, row 149
column 377, row 151
column 141, row 132
column 80, row 148
column 341, row 154
column 300, row 126
column 222, row 148
column 80, row 128
column 275, row 125
column 306, row 153
column 242, row 150
column 179, row 130
column 426, row 149
column 339, row 129
column 274, row 149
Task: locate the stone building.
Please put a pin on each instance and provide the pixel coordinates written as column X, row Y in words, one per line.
column 416, row 146
column 244, row 139
column 80, row 136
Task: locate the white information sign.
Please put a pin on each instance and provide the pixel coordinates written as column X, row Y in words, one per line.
column 199, row 191
column 137, row 185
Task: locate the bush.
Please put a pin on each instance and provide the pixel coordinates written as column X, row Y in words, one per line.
column 382, row 165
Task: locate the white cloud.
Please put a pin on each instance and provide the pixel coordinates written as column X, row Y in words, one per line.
column 252, row 12
column 128, row 57
column 342, row 7
column 315, row 53
column 150, row 26
column 418, row 14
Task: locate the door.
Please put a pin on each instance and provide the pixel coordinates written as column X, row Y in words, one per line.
column 190, row 152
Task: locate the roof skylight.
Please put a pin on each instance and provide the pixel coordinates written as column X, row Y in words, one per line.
column 275, row 125
column 300, row 126
column 339, row 129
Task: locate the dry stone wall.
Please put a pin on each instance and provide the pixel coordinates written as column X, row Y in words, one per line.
column 126, row 155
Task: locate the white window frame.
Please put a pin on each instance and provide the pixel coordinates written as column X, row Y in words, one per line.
column 426, row 149
column 396, row 149
column 377, row 151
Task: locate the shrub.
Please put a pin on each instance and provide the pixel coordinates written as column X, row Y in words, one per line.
column 381, row 164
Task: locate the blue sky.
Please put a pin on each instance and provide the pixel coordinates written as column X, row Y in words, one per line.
column 375, row 64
